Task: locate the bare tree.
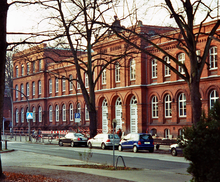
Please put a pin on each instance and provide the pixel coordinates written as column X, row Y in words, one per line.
column 186, row 40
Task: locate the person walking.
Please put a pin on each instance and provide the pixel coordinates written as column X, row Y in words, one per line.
column 119, row 133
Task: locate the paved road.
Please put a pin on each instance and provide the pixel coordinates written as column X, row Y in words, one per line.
column 146, row 160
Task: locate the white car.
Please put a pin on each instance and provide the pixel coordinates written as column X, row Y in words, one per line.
column 175, row 149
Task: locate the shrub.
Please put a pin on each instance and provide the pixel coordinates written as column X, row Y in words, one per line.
column 203, row 147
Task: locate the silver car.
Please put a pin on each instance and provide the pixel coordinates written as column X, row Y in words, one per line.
column 73, row 139
column 103, row 141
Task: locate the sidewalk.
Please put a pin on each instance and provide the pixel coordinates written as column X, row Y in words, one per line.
column 50, row 166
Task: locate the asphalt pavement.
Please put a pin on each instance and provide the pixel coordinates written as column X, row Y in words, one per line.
column 33, row 163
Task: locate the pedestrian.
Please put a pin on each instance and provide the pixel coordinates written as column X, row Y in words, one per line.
column 119, row 133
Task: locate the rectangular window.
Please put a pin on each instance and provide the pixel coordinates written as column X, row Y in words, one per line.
column 50, row 86
column 57, row 85
column 39, row 88
column 33, row 88
column 64, row 84
column 86, row 80
column 104, row 76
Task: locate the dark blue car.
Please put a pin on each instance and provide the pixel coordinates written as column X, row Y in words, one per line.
column 137, row 141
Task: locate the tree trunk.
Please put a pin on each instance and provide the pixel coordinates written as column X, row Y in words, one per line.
column 195, row 100
column 93, row 123
column 3, row 46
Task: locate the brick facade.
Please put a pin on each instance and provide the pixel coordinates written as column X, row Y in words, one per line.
column 137, row 101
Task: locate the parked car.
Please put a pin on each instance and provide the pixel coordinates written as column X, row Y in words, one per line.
column 175, row 149
column 137, row 141
column 103, row 141
column 73, row 139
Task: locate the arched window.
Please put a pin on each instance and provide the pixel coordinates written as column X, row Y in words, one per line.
column 86, row 80
column 181, row 58
column 154, row 68
column 153, row 132
column 22, row 115
column 22, row 90
column 16, row 71
column 16, row 116
column 213, row 97
column 133, row 115
column 117, row 72
column 39, row 114
column 34, row 114
column 50, row 114
column 167, row 102
column 27, row 89
column 39, row 87
column 63, row 84
column 64, row 112
column 71, row 82
column 104, row 116
column 71, row 112
column 33, row 88
column 50, row 86
column 166, row 68
column 78, row 108
column 28, row 68
column 16, row 91
column 213, row 57
column 154, row 104
column 86, row 113
column 57, row 85
column 132, row 70
column 182, row 105
column 57, row 113
column 22, row 70
column 104, row 76
column 180, row 132
column 167, row 133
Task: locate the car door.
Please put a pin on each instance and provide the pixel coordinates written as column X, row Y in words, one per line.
column 125, row 140
column 95, row 141
column 131, row 141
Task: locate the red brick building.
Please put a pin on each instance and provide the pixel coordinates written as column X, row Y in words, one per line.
column 139, row 92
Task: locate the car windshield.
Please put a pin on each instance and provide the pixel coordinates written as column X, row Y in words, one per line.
column 146, row 137
column 79, row 135
column 111, row 136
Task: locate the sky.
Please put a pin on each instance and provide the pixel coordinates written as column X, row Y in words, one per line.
column 26, row 19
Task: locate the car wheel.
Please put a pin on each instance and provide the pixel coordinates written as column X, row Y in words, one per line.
column 135, row 149
column 60, row 143
column 89, row 145
column 103, row 146
column 151, row 150
column 173, row 152
column 72, row 144
column 120, row 148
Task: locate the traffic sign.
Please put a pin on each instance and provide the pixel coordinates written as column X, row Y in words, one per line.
column 29, row 115
column 77, row 117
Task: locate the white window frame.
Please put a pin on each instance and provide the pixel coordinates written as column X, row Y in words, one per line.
column 86, row 113
column 40, row 114
column 34, row 114
column 213, row 97
column 50, row 86
column 16, row 71
column 63, row 84
column 64, row 112
column 181, row 58
column 154, row 68
column 28, row 68
column 57, row 85
column 213, row 58
column 57, row 113
column 167, row 71
column 182, row 105
column 17, row 116
column 22, row 70
column 104, row 76
column 71, row 82
column 39, row 87
column 117, row 72
column 22, row 90
column 168, row 106
column 33, row 88
column 50, row 114
column 27, row 89
column 16, row 91
column 154, row 104
column 22, row 115
column 132, row 70
column 71, row 112
column 86, row 80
